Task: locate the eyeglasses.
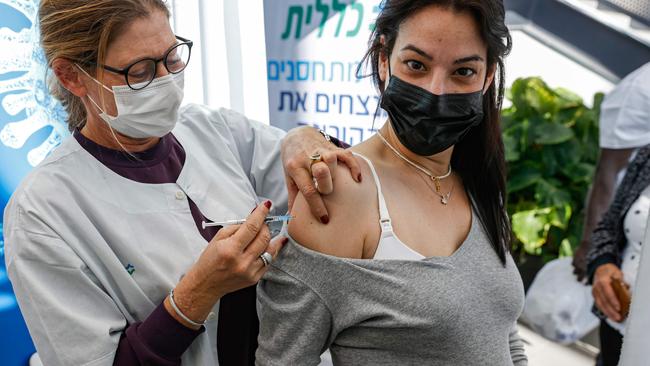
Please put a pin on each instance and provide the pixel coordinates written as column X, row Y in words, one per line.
column 142, row 72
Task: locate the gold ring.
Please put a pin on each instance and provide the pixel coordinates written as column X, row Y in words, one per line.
column 315, row 158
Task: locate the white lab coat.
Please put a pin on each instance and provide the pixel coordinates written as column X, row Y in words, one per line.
column 73, row 226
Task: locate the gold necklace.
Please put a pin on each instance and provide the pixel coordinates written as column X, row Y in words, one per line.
column 444, row 197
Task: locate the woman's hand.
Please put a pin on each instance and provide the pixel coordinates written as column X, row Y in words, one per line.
column 315, row 179
column 603, row 292
column 230, row 262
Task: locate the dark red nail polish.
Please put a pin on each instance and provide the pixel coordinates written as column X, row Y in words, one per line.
column 285, row 240
column 325, row 219
column 268, row 204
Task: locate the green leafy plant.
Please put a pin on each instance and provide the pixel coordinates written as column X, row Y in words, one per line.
column 551, row 147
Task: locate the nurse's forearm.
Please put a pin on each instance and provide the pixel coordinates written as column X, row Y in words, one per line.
column 193, row 299
column 164, row 336
column 310, row 136
column 158, row 340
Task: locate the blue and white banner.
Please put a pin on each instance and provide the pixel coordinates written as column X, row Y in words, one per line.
column 31, row 125
column 313, row 49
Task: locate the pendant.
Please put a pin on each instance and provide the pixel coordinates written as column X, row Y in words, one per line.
column 444, row 198
column 436, row 182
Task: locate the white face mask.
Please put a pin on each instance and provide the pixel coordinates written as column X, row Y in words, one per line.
column 148, row 112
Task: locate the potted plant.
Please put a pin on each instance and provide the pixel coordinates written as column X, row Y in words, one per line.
column 551, row 148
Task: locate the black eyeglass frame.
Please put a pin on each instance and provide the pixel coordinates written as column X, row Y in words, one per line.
column 163, row 59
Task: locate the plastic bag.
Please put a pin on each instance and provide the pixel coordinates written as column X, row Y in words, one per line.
column 558, row 306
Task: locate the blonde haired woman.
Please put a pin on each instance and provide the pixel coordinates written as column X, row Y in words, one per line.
column 105, row 245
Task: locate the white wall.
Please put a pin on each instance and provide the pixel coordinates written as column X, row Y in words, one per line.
column 228, row 64
column 530, row 57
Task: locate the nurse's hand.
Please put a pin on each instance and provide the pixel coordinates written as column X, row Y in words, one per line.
column 230, row 262
column 603, row 291
column 313, row 179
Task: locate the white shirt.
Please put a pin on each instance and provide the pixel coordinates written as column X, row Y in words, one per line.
column 634, row 226
column 625, row 112
column 637, row 338
column 73, row 226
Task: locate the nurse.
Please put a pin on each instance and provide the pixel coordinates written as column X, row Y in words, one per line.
column 105, row 243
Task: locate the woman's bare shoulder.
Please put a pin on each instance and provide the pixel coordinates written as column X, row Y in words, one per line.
column 348, row 206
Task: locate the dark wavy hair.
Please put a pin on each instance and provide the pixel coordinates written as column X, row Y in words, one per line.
column 479, row 157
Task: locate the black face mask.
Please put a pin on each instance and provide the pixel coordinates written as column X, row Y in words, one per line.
column 426, row 123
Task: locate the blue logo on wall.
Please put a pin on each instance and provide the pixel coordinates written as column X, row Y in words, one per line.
column 31, row 125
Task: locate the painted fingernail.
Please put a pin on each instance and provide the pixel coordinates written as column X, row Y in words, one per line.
column 325, row 219
column 285, row 240
column 268, row 204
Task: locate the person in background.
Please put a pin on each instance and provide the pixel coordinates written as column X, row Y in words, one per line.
column 105, row 241
column 615, row 252
column 624, row 128
column 414, row 268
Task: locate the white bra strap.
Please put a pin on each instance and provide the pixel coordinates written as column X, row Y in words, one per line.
column 384, row 217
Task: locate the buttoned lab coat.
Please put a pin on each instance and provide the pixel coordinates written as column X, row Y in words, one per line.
column 89, row 252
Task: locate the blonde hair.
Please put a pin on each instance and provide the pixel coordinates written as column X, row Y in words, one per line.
column 80, row 31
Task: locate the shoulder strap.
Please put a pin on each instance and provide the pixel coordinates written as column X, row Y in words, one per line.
column 384, row 217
